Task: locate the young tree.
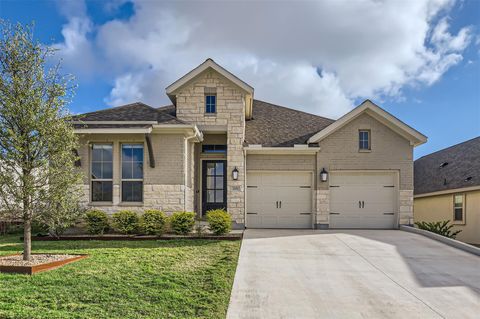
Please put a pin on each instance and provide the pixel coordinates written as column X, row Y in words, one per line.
column 38, row 177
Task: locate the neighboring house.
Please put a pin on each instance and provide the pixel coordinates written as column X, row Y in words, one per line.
column 447, row 187
column 269, row 166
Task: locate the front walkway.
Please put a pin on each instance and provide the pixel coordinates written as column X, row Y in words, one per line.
column 352, row 274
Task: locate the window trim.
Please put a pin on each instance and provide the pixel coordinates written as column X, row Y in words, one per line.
column 214, row 151
column 464, row 209
column 132, row 179
column 215, row 105
column 369, row 132
column 91, row 180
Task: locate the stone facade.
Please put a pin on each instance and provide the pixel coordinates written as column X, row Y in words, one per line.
column 405, row 207
column 165, row 186
column 229, row 117
column 322, row 212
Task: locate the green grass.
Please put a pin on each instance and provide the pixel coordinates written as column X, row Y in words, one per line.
column 124, row 279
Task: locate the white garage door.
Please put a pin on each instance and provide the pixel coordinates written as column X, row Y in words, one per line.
column 362, row 200
column 279, row 200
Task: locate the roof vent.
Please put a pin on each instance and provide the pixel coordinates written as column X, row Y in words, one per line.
column 443, row 164
column 444, row 181
column 468, row 179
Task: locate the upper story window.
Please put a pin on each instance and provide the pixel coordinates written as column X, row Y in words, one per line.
column 210, row 103
column 102, row 172
column 211, row 148
column 459, row 207
column 364, row 140
column 132, row 172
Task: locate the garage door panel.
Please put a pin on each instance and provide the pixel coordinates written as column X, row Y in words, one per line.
column 279, row 200
column 362, row 200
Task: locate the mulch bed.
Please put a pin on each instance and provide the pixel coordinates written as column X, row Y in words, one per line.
column 38, row 262
column 235, row 236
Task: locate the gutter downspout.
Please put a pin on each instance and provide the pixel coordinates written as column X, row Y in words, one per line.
column 196, row 134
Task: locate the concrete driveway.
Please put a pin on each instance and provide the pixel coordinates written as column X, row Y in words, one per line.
column 353, row 274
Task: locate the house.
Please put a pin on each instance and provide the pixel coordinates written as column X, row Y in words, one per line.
column 268, row 165
column 447, row 187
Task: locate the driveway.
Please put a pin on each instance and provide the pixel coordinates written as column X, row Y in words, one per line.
column 352, row 274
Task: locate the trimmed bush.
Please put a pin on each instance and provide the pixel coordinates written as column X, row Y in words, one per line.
column 97, row 222
column 182, row 222
column 153, row 222
column 442, row 228
column 125, row 221
column 219, row 221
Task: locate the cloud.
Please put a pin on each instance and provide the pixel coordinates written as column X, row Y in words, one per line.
column 76, row 50
column 366, row 49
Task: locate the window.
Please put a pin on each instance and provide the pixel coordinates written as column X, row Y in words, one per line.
column 210, row 103
column 364, row 140
column 132, row 172
column 102, row 172
column 209, row 148
column 458, row 207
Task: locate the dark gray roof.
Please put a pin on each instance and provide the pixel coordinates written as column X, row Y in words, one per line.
column 132, row 112
column 271, row 125
column 276, row 126
column 449, row 168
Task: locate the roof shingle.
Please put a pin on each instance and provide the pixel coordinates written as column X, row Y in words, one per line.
column 132, row 112
column 463, row 161
column 276, row 126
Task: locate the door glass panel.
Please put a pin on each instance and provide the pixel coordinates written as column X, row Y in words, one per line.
column 210, row 182
column 219, row 196
column 218, row 182
column 210, row 168
column 210, row 196
column 219, row 169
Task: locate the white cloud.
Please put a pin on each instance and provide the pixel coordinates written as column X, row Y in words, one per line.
column 76, row 50
column 365, row 49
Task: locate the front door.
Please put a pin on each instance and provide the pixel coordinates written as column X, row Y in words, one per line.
column 214, row 185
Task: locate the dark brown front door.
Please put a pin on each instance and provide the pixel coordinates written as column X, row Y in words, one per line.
column 214, row 185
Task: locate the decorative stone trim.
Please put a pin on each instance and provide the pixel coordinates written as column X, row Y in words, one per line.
column 323, row 206
column 167, row 198
column 405, row 214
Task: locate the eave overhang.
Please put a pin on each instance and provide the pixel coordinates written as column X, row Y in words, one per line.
column 416, row 138
column 296, row 149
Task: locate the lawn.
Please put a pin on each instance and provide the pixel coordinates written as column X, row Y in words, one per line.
column 124, row 279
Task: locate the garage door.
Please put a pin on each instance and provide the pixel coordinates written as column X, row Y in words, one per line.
column 279, row 200
column 362, row 200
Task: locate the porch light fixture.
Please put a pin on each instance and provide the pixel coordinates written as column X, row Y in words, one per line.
column 323, row 175
column 235, row 174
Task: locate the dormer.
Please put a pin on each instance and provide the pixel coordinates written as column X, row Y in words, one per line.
column 209, row 95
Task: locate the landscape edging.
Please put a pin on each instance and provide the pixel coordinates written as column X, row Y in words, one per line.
column 132, row 238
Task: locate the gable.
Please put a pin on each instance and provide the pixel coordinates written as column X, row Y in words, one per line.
column 367, row 107
column 209, row 64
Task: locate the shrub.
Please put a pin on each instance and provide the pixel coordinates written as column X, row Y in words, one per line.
column 219, row 221
column 153, row 222
column 441, row 228
column 182, row 222
column 125, row 221
column 97, row 221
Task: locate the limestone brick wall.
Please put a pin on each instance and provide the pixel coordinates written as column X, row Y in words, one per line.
column 164, row 186
column 230, row 118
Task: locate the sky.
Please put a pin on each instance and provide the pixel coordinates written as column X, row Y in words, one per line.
column 417, row 59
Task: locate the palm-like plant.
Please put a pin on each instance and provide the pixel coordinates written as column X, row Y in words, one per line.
column 443, row 228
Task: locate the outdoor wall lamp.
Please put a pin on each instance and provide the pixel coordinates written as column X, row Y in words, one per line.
column 235, row 174
column 323, row 175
